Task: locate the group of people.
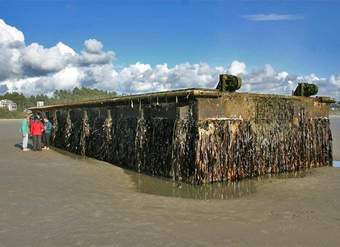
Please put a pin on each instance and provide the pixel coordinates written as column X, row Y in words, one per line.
column 37, row 127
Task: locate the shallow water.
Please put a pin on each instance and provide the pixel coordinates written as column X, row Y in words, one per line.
column 336, row 163
column 215, row 191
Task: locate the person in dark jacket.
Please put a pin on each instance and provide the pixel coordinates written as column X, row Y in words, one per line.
column 36, row 130
column 47, row 133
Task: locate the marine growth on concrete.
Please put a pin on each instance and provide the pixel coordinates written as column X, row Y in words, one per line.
column 198, row 135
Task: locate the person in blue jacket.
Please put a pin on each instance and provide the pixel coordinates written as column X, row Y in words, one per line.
column 47, row 133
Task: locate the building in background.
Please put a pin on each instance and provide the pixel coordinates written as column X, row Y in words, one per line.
column 9, row 104
column 40, row 103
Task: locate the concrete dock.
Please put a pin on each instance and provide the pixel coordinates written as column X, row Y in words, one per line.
column 197, row 135
column 51, row 199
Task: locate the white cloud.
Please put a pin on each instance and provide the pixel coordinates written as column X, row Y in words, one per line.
column 272, row 17
column 335, row 80
column 34, row 69
column 312, row 78
column 282, row 76
column 93, row 54
column 9, row 61
column 260, row 75
column 39, row 60
column 334, row 87
column 9, row 34
column 141, row 77
column 67, row 78
column 237, row 68
column 93, row 46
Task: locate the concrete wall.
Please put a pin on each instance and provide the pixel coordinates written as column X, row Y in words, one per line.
column 151, row 138
column 247, row 135
column 260, row 108
column 201, row 139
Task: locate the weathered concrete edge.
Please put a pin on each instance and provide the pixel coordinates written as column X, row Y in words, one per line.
column 126, row 99
column 170, row 95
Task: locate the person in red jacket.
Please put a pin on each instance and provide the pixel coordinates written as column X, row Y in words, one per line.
column 36, row 130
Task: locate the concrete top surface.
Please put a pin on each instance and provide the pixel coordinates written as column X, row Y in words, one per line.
column 167, row 96
column 126, row 99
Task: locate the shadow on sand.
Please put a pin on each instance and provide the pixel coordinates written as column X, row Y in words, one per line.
column 19, row 146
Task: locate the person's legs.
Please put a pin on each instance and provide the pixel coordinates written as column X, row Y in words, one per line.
column 35, row 142
column 43, row 140
column 30, row 142
column 39, row 143
column 47, row 140
column 24, row 142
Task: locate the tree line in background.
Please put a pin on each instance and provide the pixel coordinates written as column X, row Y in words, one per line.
column 58, row 97
column 69, row 96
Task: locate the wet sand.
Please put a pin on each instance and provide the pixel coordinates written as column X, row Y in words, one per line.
column 51, row 199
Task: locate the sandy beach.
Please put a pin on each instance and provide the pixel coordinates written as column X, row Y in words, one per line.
column 52, row 199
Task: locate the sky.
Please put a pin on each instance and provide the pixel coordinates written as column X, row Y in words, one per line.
column 135, row 46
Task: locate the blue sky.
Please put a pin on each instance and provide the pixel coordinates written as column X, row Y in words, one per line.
column 300, row 37
column 190, row 31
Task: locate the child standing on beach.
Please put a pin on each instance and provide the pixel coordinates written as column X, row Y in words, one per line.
column 25, row 132
column 37, row 129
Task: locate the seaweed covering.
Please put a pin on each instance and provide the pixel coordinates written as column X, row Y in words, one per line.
column 156, row 146
column 229, row 150
column 191, row 150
